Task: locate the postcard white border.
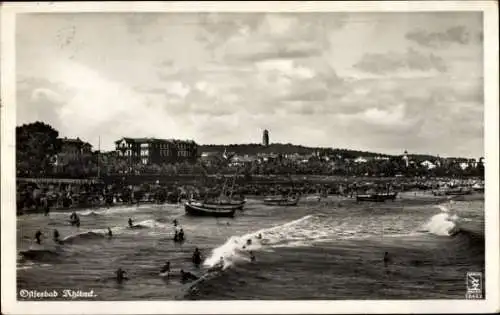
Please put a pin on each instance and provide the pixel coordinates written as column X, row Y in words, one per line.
column 491, row 132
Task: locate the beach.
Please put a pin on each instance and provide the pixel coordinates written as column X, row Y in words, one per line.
column 331, row 248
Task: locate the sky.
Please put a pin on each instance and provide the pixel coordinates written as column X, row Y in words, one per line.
column 381, row 82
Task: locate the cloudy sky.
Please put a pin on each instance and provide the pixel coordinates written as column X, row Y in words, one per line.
column 381, row 82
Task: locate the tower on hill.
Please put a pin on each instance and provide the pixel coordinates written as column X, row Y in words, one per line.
column 265, row 138
column 405, row 158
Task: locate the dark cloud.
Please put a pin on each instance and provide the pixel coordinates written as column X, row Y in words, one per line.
column 410, row 60
column 455, row 35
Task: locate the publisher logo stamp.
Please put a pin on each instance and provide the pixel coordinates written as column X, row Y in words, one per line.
column 474, row 281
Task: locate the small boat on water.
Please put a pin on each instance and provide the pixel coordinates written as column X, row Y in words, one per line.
column 452, row 192
column 458, row 192
column 196, row 208
column 377, row 197
column 478, row 187
column 281, row 201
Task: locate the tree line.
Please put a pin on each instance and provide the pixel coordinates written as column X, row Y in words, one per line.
column 38, row 145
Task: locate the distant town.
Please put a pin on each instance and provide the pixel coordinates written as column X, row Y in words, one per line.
column 42, row 153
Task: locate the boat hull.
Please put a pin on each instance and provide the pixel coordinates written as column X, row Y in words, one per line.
column 237, row 205
column 203, row 211
column 281, row 202
column 458, row 192
column 452, row 192
column 377, row 197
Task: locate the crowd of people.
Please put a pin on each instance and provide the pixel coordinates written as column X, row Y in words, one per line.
column 36, row 197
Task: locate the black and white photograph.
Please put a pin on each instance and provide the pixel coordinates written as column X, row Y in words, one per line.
column 195, row 153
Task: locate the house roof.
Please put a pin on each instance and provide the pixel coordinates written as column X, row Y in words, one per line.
column 149, row 140
column 76, row 141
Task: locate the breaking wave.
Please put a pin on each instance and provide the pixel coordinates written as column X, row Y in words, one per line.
column 444, row 223
column 84, row 236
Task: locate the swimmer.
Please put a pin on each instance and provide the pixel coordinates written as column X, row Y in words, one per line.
column 186, row 275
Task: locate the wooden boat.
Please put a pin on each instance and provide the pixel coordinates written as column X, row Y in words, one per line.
column 478, row 187
column 452, row 192
column 377, row 197
column 200, row 209
column 458, row 192
column 281, row 201
column 224, row 201
column 222, row 204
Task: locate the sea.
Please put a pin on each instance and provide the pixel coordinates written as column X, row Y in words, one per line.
column 324, row 249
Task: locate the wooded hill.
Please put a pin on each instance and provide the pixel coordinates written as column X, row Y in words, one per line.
column 288, row 148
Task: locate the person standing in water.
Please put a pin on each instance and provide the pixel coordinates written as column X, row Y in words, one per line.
column 197, row 257
column 56, row 237
column 166, row 268
column 221, row 262
column 175, row 223
column 386, row 258
column 130, row 223
column 120, row 275
column 110, row 234
column 252, row 256
column 38, row 236
column 181, row 235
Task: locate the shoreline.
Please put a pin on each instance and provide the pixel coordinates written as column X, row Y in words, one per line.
column 405, row 198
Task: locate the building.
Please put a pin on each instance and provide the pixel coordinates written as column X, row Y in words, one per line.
column 156, row 151
column 73, row 150
column 428, row 164
column 265, row 138
column 239, row 160
column 360, row 159
column 405, row 158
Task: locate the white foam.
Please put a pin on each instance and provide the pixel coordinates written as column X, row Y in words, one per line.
column 442, row 224
column 282, row 235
